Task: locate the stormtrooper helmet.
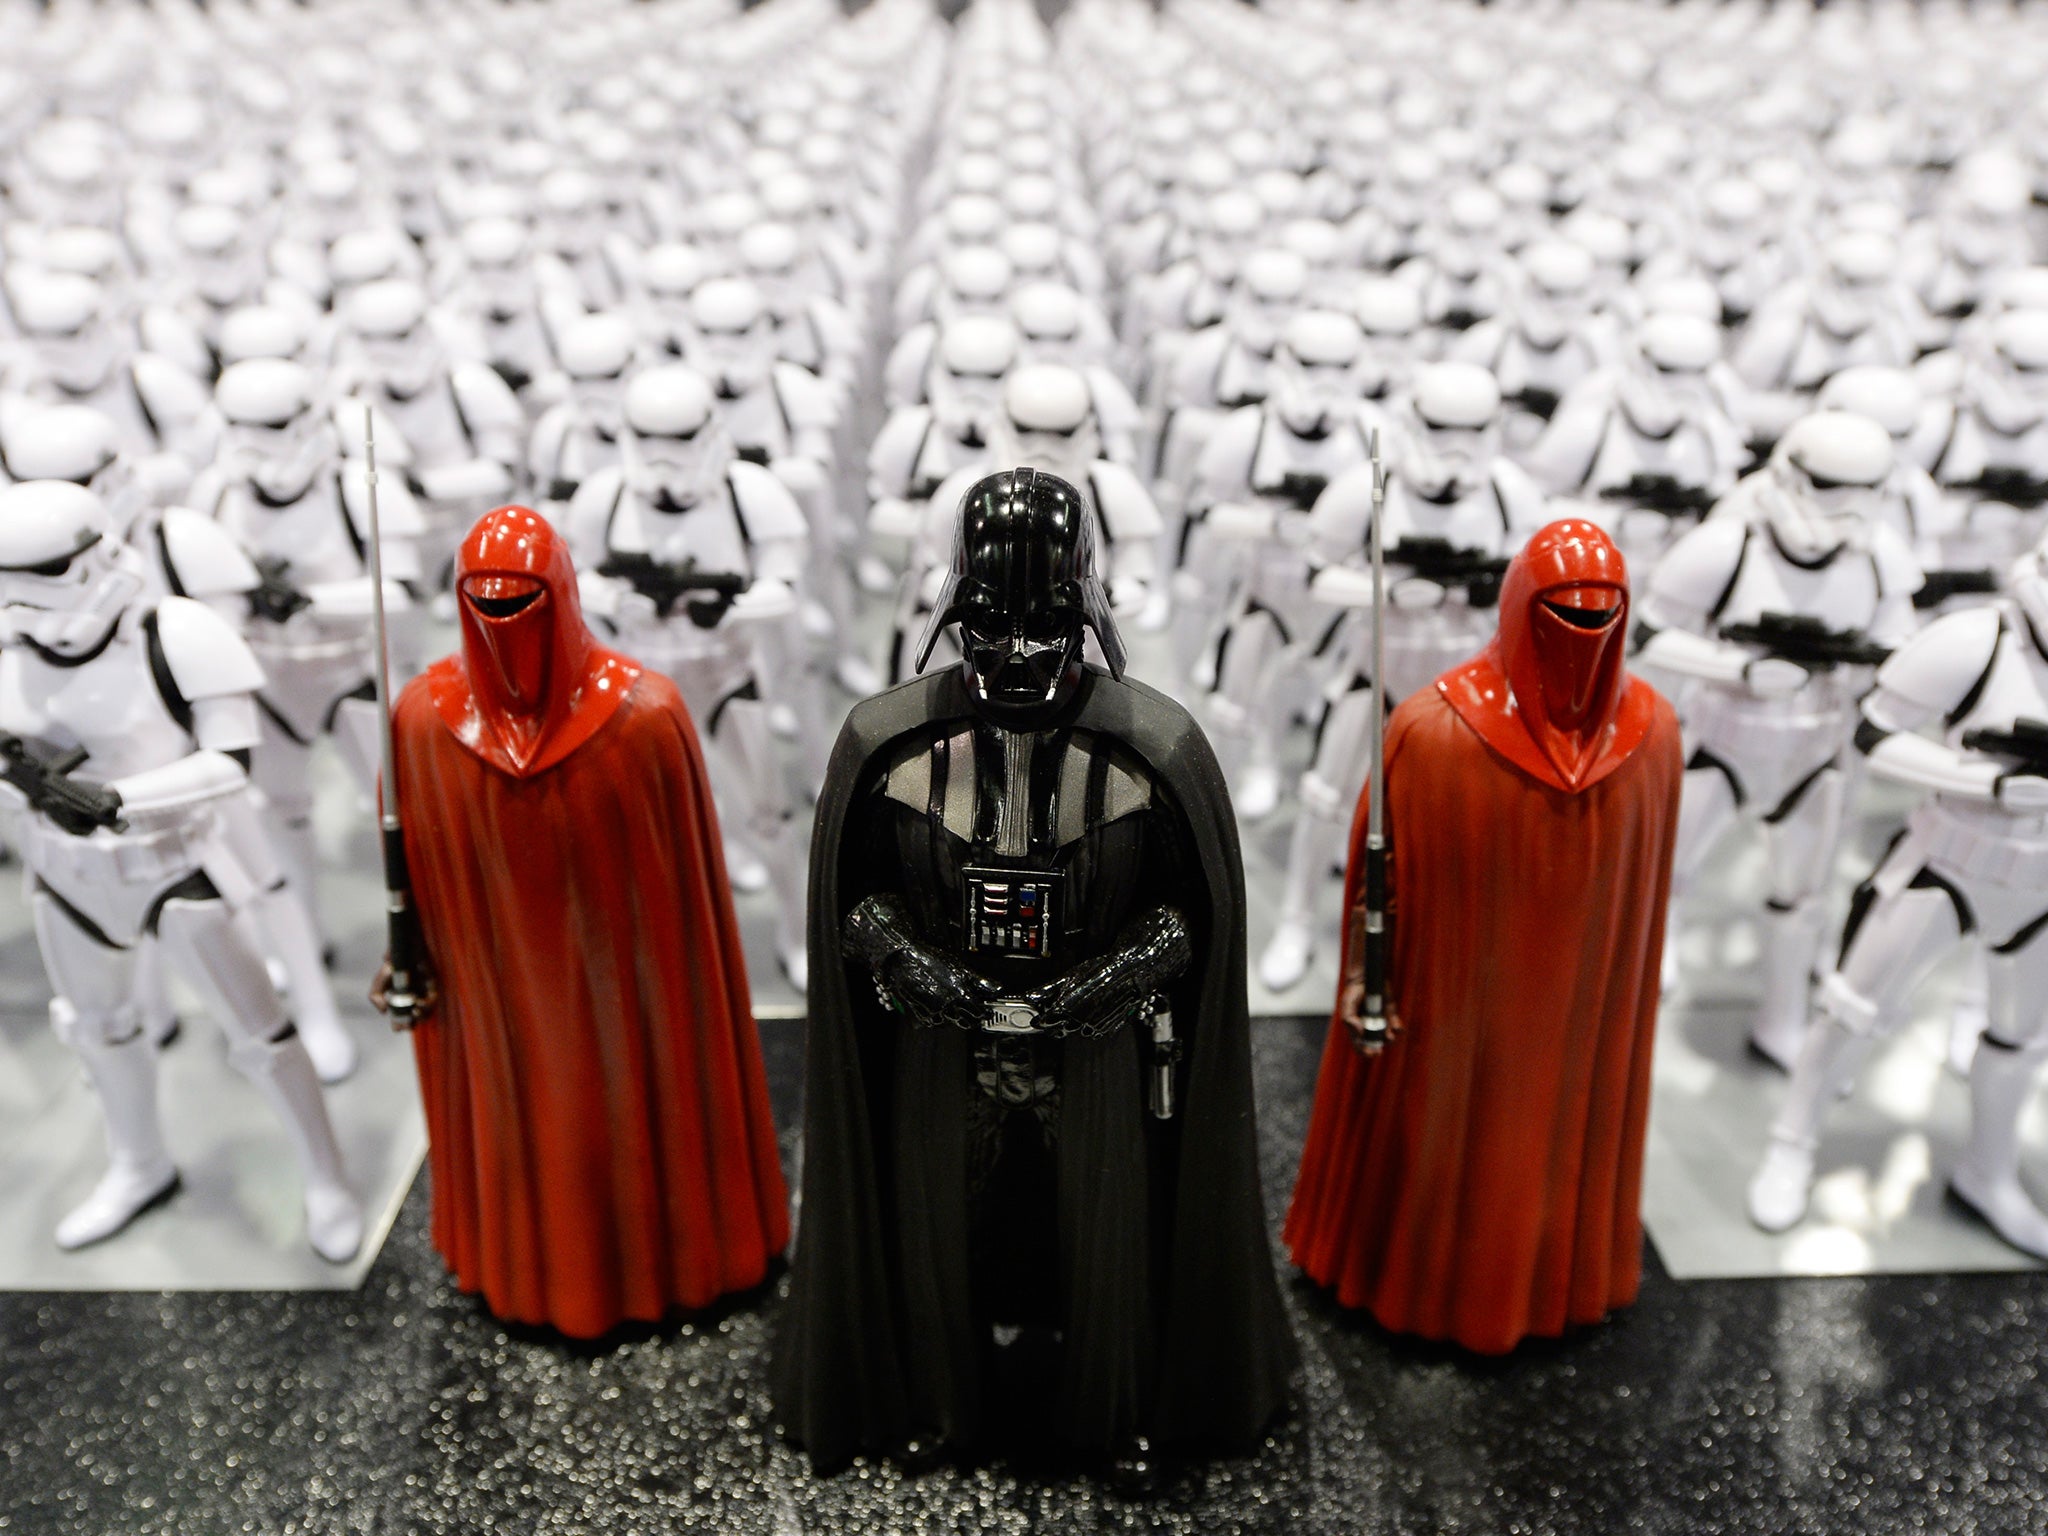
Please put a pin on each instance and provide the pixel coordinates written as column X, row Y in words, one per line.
column 595, row 352
column 273, row 438
column 1825, row 472
column 965, row 388
column 62, row 317
column 674, row 450
column 735, row 335
column 1316, row 381
column 1557, row 294
column 1668, row 371
column 1454, row 415
column 388, row 327
column 65, row 575
column 1048, row 422
column 2010, row 388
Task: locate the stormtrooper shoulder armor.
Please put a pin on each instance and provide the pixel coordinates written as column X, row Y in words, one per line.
column 201, row 558
column 170, row 394
column 1698, row 572
column 206, row 659
column 892, row 458
column 1941, row 665
column 1127, row 509
column 398, row 514
column 764, row 504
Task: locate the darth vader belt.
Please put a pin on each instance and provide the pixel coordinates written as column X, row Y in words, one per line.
column 1010, row 1016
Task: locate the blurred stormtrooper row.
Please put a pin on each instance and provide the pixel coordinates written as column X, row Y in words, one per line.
column 617, row 260
column 1798, row 365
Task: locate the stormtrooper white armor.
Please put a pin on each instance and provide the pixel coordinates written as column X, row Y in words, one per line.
column 1241, row 595
column 188, row 555
column 1546, row 343
column 281, row 488
column 1774, row 610
column 451, row 427
column 1990, row 440
column 1855, row 309
column 69, row 353
column 1047, row 422
column 965, row 280
column 1056, row 325
column 579, row 434
column 781, row 417
column 1654, row 437
column 1224, row 367
column 1961, row 711
column 156, row 698
column 957, row 398
column 1931, row 523
column 1456, row 510
column 492, row 289
column 688, row 551
column 812, row 329
column 1461, row 274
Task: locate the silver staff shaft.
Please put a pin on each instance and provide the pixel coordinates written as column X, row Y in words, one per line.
column 1376, row 805
column 402, row 945
column 1375, row 1013
column 382, row 624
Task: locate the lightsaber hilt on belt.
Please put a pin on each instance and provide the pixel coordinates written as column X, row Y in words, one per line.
column 401, row 938
column 1375, row 1012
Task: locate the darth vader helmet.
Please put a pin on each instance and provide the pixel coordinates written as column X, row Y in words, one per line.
column 1023, row 589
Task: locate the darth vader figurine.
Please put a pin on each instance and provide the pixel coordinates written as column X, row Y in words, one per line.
column 1030, row 1162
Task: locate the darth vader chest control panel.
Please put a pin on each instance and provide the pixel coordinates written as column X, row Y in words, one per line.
column 1013, row 913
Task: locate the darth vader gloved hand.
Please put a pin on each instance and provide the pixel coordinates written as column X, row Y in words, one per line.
column 1101, row 995
column 931, row 989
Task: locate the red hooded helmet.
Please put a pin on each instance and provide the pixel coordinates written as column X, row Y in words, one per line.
column 1551, row 691
column 532, row 683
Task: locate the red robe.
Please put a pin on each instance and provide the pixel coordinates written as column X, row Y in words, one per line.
column 597, row 1115
column 1479, row 1180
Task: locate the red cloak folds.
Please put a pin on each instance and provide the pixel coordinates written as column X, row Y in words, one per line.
column 600, row 1140
column 1479, row 1181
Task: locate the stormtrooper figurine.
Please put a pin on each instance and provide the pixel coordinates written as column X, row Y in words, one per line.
column 281, row 489
column 1960, row 710
column 158, row 698
column 1654, row 436
column 451, row 426
column 187, row 554
column 689, row 550
column 1242, row 588
column 1047, row 423
column 1456, row 511
column 1224, row 367
column 1774, row 609
column 941, row 422
column 69, row 352
column 491, row 288
column 1990, row 440
column 1546, row 342
column 1056, row 325
column 781, row 417
column 1855, row 309
column 579, row 434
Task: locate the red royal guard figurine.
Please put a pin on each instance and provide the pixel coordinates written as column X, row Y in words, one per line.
column 597, row 1115
column 1478, row 1180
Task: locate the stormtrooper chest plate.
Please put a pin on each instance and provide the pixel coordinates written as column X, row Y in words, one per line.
column 1842, row 593
column 311, row 535
column 111, row 705
column 707, row 534
column 1294, row 469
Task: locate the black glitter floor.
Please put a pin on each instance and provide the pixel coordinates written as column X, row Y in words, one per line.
column 1831, row 1407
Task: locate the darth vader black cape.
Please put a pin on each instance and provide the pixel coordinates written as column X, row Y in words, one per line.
column 848, row 1373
